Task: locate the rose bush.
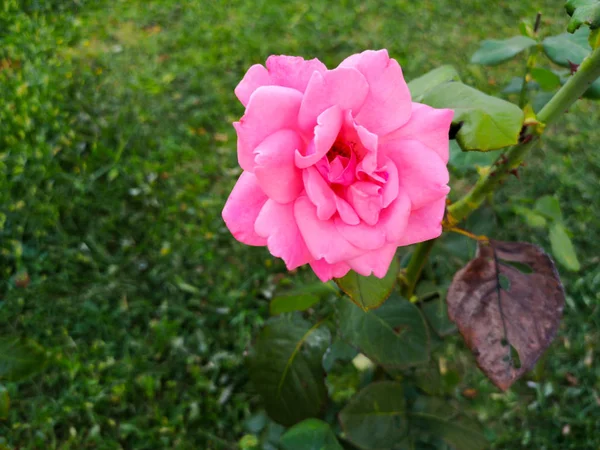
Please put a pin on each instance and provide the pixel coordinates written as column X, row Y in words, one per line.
column 340, row 167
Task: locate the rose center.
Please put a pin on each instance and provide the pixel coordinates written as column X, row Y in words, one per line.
column 339, row 148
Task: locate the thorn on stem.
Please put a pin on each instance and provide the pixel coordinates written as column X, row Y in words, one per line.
column 573, row 67
column 522, row 133
column 515, row 172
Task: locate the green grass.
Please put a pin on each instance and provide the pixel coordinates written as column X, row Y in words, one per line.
column 116, row 156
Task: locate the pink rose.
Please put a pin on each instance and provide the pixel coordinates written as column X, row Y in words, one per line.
column 340, row 166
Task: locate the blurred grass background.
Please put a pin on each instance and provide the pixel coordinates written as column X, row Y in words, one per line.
column 116, row 157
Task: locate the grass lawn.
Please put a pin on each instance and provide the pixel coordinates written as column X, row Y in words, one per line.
column 116, row 157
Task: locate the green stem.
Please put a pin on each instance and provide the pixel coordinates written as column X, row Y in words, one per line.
column 530, row 64
column 588, row 72
column 523, row 94
column 415, row 266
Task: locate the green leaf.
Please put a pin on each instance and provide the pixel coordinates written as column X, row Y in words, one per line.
column 568, row 48
column 300, row 299
column 339, row 351
column 514, row 86
column 593, row 92
column 311, row 434
column 256, row 422
column 547, row 79
column 583, row 12
column 375, row 418
column 488, row 123
column 562, row 247
column 431, row 381
column 285, row 368
column 394, row 336
column 526, row 29
column 492, row 52
column 462, row 162
column 532, row 218
column 20, row 360
column 420, row 86
column 369, row 292
column 4, row 403
column 540, row 99
column 549, row 207
column 437, row 418
column 436, row 313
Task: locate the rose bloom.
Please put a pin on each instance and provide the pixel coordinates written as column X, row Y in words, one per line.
column 340, row 167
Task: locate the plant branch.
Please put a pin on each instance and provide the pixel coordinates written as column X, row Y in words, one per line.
column 529, row 64
column 415, row 266
column 511, row 160
column 588, row 72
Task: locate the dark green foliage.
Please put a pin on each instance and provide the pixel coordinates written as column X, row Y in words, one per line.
column 116, row 156
column 286, row 369
column 376, row 417
column 567, row 48
column 486, row 122
column 301, row 298
column 394, row 335
column 20, row 360
column 440, row 419
column 311, row 434
column 492, row 52
column 583, row 12
column 369, row 292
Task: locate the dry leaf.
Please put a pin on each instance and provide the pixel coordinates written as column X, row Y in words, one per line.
column 507, row 317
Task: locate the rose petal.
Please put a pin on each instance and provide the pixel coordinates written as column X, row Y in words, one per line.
column 287, row 71
column 366, row 200
column 394, row 218
column 326, row 271
column 274, row 167
column 255, row 77
column 242, row 209
column 392, row 185
column 276, row 222
column 346, row 88
column 429, row 126
column 424, row 224
column 362, row 235
column 319, row 193
column 370, row 143
column 346, row 212
column 376, row 262
column 293, row 71
column 321, row 237
column 422, row 173
column 270, row 109
column 328, row 126
column 341, row 170
column 388, row 104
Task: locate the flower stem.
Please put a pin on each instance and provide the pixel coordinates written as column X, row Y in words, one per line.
column 588, row 72
column 415, row 266
column 529, row 64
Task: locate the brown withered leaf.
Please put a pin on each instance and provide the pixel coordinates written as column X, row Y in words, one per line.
column 507, row 317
